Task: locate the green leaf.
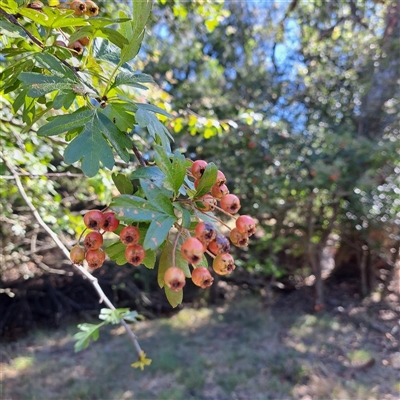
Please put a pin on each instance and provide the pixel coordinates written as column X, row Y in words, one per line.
column 186, row 216
column 121, row 114
column 116, row 252
column 150, row 259
column 132, row 79
column 53, row 65
column 64, row 123
column 11, row 30
column 117, row 138
column 123, row 184
column 134, row 209
column 148, row 120
column 178, row 170
column 174, row 298
column 156, row 197
column 88, row 331
column 91, row 148
column 134, row 30
column 207, row 180
column 100, row 22
column 37, row 16
column 112, row 35
column 154, row 109
column 40, row 84
column 154, row 173
column 158, row 231
column 64, row 99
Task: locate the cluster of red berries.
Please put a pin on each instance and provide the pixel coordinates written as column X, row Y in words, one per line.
column 80, row 8
column 207, row 239
column 97, row 221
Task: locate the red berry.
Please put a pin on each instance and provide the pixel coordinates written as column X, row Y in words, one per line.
column 93, row 240
column 230, row 203
column 208, row 202
column 198, row 168
column 192, row 250
column 219, row 245
column 219, row 191
column 78, row 7
column 95, row 258
column 205, row 232
column 201, row 277
column 110, row 222
column 94, row 220
column 91, row 8
column 76, row 47
column 239, row 239
column 84, row 41
column 135, row 254
column 221, row 180
column 223, row 264
column 129, row 235
column 174, row 278
column 246, row 224
column 77, row 254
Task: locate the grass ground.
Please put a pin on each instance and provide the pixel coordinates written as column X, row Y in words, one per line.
column 243, row 350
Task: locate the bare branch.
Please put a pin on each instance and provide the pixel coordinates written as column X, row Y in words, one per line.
column 82, row 270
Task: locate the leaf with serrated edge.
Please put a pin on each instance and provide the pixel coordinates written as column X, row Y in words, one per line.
column 90, row 147
column 178, row 170
column 116, row 252
column 207, row 180
column 156, row 197
column 158, row 231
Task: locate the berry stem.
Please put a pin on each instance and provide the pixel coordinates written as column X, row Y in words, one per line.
column 214, row 217
column 174, row 248
column 210, row 254
column 80, row 237
column 225, row 212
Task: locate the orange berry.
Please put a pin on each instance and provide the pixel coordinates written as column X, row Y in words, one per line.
column 245, row 224
column 94, row 220
column 239, row 239
column 78, row 7
column 110, row 222
column 223, row 264
column 219, row 191
column 219, row 245
column 129, row 235
column 93, row 240
column 201, row 277
column 198, row 167
column 192, row 250
column 205, row 232
column 174, row 278
column 135, row 254
column 95, row 258
column 92, row 9
column 230, row 203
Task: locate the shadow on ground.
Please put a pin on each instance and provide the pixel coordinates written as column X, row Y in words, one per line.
column 240, row 350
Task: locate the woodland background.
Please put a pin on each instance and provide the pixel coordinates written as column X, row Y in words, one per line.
column 298, row 103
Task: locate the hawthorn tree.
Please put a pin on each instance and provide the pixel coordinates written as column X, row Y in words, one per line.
column 70, row 76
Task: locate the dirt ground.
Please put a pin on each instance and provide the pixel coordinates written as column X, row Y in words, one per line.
column 244, row 348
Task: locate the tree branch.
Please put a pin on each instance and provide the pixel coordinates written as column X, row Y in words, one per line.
column 82, row 270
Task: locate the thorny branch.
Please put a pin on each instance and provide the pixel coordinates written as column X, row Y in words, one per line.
column 61, row 246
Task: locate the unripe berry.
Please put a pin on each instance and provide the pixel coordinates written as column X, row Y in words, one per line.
column 230, row 203
column 205, row 232
column 135, row 254
column 246, row 224
column 223, row 264
column 208, row 202
column 221, row 180
column 94, row 220
column 110, row 222
column 219, row 245
column 84, row 41
column 174, row 278
column 201, row 277
column 78, row 7
column 93, row 240
column 198, row 168
column 76, row 47
column 219, row 191
column 91, row 9
column 95, row 258
column 239, row 239
column 129, row 235
column 77, row 254
column 192, row 250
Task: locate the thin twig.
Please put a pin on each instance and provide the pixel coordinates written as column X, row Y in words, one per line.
column 61, row 246
column 139, row 156
column 47, row 175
